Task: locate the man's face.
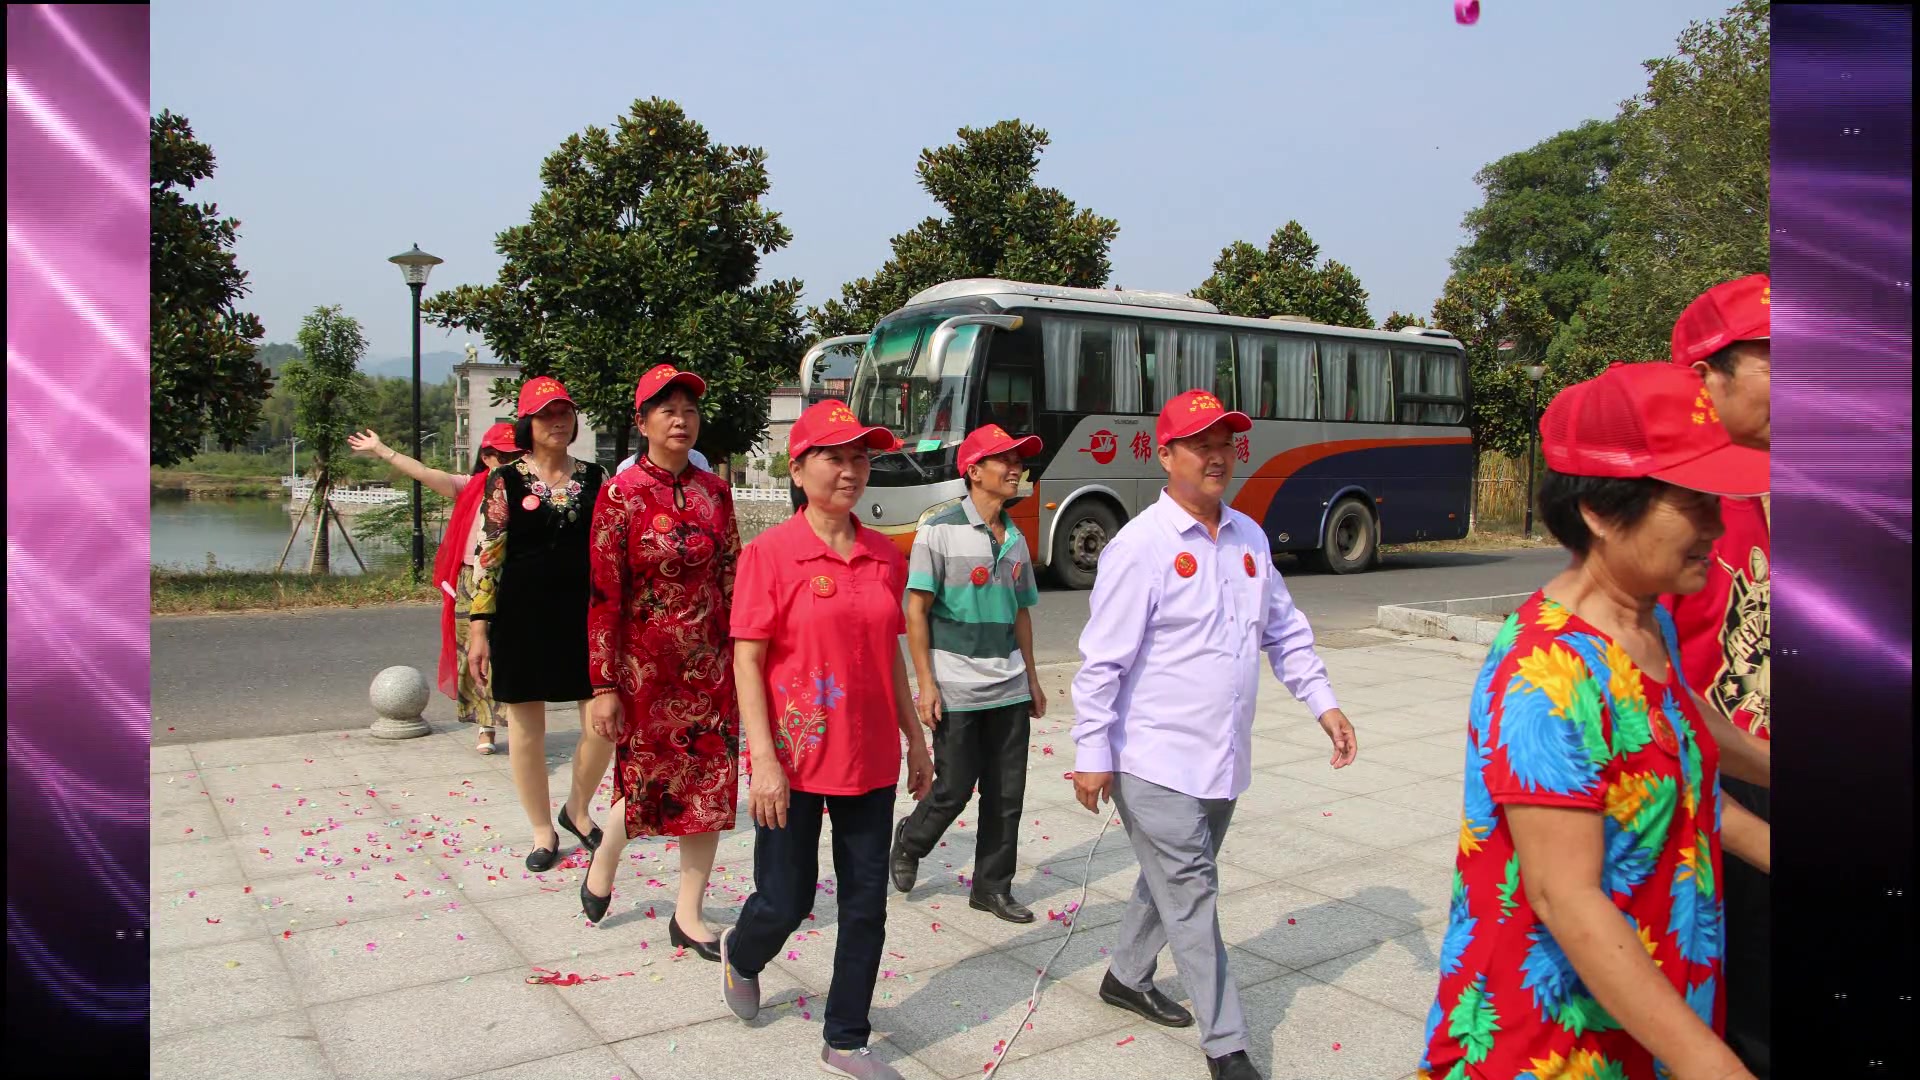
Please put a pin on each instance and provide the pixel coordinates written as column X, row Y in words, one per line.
column 1742, row 399
column 998, row 476
column 1199, row 467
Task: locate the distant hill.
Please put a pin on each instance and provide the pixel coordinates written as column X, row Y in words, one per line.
column 435, row 367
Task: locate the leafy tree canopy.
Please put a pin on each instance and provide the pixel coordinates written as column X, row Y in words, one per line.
column 206, row 380
column 644, row 248
column 1285, row 279
column 998, row 223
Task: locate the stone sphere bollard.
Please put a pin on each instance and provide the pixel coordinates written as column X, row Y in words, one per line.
column 400, row 696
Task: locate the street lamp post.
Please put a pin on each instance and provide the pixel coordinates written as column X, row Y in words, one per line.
column 1534, row 371
column 414, row 266
column 293, row 456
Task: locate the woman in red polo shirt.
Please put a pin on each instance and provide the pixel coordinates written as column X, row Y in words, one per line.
column 824, row 702
column 1587, row 928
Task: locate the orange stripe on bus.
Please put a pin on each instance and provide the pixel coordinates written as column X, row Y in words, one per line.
column 1256, row 495
column 1026, row 515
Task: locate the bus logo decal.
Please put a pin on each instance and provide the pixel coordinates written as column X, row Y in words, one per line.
column 1103, row 446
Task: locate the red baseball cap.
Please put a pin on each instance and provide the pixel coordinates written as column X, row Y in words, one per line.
column 661, row 376
column 499, row 437
column 539, row 392
column 1194, row 412
column 1648, row 420
column 831, row 423
column 993, row 439
column 1738, row 310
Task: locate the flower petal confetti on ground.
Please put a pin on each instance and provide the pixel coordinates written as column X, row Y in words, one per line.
column 1124, row 1041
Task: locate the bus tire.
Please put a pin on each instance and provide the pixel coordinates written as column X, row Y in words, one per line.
column 1351, row 544
column 1078, row 538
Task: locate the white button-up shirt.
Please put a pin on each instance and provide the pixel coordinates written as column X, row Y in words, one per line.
column 1170, row 657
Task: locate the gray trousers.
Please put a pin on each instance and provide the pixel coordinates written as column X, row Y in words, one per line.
column 1177, row 840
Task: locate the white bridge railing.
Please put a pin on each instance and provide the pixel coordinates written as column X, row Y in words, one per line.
column 301, row 488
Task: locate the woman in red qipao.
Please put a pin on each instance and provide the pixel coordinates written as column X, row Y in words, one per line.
column 664, row 549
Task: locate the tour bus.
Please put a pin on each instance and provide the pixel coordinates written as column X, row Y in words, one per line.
column 1359, row 436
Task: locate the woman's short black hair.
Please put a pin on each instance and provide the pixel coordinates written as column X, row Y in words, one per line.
column 660, row 399
column 1623, row 502
column 523, row 431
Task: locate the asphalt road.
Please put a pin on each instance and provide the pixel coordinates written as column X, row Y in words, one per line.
column 240, row 676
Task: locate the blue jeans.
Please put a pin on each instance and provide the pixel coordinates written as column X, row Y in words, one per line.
column 786, row 866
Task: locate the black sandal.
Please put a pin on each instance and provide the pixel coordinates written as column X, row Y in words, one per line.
column 590, row 841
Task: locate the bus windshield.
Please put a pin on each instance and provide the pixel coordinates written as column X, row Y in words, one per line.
column 895, row 386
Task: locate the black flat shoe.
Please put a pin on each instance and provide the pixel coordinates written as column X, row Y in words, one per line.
column 1002, row 906
column 542, row 859
column 707, row 950
column 903, row 867
column 590, row 841
column 594, row 907
column 1235, row 1066
column 1152, row 1004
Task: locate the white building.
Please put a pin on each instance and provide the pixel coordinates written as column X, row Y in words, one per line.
column 474, row 412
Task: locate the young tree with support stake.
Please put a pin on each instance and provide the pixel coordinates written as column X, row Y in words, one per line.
column 329, row 393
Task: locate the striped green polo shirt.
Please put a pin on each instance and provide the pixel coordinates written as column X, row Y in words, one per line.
column 977, row 591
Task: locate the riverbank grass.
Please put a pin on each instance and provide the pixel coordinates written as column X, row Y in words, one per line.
column 177, row 592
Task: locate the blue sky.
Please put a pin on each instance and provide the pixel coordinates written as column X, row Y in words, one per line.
column 346, row 132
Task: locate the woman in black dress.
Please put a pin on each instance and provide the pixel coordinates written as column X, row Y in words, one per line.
column 529, row 610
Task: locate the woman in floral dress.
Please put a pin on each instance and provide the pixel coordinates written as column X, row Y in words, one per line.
column 528, row 619
column 1586, row 928
column 663, row 553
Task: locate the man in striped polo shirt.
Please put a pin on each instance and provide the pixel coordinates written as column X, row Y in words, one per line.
column 969, row 585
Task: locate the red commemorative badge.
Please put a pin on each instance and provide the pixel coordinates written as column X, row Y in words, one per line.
column 824, row 586
column 1184, row 565
column 531, row 502
column 980, row 575
column 662, row 523
column 1663, row 735
column 1247, row 561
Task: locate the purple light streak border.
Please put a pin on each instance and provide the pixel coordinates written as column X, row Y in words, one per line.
column 1842, row 608
column 78, row 716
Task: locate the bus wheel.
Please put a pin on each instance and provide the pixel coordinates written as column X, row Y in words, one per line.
column 1078, row 540
column 1352, row 543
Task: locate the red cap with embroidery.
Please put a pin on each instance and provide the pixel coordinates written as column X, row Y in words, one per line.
column 831, row 423
column 659, row 377
column 1648, row 420
column 539, row 392
column 1194, row 412
column 993, row 439
column 499, row 437
column 1739, row 310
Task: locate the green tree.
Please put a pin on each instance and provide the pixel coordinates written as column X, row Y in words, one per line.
column 1689, row 198
column 329, row 394
column 206, row 380
column 1545, row 214
column 1487, row 308
column 644, row 248
column 1285, row 279
column 1399, row 320
column 999, row 223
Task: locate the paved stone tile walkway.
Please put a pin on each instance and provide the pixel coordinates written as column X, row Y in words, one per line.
column 331, row 905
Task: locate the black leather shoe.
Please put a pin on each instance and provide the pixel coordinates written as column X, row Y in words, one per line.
column 590, row 841
column 542, row 859
column 1235, row 1066
column 905, row 867
column 706, row 950
column 1002, row 906
column 595, row 907
column 1153, row 1005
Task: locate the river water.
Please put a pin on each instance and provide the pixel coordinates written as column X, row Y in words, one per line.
column 247, row 534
